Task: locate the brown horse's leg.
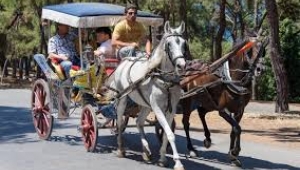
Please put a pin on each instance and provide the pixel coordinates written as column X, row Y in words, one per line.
column 186, row 107
column 202, row 113
column 237, row 140
column 234, row 136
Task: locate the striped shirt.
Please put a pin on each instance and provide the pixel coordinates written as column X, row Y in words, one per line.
column 63, row 45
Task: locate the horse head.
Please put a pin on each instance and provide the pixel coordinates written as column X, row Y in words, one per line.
column 175, row 46
column 248, row 59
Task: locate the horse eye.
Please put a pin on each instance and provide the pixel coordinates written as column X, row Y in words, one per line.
column 184, row 46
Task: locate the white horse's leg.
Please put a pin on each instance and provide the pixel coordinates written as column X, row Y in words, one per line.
column 170, row 135
column 121, row 105
column 140, row 125
column 164, row 145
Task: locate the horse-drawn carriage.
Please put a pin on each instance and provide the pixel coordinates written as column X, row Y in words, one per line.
column 151, row 83
column 51, row 95
column 146, row 84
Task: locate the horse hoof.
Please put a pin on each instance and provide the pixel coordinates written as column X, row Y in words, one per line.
column 146, row 157
column 193, row 154
column 162, row 163
column 236, row 162
column 120, row 153
column 232, row 155
column 207, row 143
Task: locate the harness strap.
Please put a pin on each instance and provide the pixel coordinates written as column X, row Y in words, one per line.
column 135, row 85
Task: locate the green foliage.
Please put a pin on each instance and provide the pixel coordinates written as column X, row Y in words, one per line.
column 266, row 85
column 290, row 46
column 200, row 15
column 290, row 43
column 289, row 9
column 200, row 50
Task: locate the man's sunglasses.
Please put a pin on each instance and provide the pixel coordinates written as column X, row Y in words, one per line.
column 131, row 13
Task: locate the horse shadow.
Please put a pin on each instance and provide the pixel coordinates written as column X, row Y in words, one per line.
column 108, row 144
column 209, row 160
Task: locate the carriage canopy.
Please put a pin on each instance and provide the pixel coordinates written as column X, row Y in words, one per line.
column 91, row 15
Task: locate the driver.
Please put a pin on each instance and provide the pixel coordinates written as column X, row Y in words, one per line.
column 129, row 34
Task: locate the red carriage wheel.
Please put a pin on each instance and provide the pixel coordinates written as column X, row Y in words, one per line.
column 89, row 128
column 41, row 109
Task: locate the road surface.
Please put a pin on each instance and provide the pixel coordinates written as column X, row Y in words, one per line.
column 20, row 148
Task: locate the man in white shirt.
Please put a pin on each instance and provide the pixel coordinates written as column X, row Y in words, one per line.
column 104, row 39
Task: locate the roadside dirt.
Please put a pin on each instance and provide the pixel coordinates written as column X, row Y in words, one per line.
column 9, row 83
column 281, row 130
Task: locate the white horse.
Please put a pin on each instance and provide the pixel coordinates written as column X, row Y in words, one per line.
column 154, row 85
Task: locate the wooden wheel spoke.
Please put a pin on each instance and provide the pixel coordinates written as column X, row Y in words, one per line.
column 46, row 120
column 84, row 119
column 37, row 100
column 38, row 124
column 87, row 137
column 92, row 134
column 46, row 112
column 41, row 126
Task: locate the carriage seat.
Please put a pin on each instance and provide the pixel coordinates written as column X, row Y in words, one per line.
column 57, row 68
column 111, row 64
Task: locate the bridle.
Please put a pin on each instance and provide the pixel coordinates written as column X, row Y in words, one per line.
column 167, row 50
column 248, row 73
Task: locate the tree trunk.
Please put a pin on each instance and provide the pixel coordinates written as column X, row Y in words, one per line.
column 255, row 10
column 276, row 59
column 167, row 10
column 172, row 10
column 3, row 44
column 183, row 15
column 240, row 17
column 219, row 36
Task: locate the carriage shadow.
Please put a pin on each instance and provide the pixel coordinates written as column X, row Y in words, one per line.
column 16, row 126
column 68, row 139
column 16, row 122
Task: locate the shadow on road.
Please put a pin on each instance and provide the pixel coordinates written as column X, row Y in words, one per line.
column 290, row 135
column 133, row 147
column 16, row 123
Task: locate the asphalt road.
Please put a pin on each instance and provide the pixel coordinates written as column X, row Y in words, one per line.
column 20, row 148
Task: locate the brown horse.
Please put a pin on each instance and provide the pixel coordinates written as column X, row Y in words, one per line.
column 227, row 91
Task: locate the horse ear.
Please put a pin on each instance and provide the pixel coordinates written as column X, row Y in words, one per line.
column 167, row 26
column 182, row 27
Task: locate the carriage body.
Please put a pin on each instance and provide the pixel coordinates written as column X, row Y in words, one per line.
column 51, row 95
